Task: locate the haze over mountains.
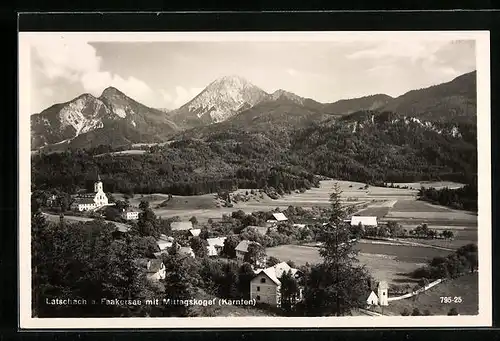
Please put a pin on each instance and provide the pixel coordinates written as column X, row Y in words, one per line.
column 115, row 119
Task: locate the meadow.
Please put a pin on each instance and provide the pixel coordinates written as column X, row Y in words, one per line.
column 464, row 287
column 391, row 263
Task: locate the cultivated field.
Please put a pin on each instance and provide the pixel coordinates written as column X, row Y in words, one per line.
column 417, row 206
column 388, row 204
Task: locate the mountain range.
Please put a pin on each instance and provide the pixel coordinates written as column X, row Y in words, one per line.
column 232, row 102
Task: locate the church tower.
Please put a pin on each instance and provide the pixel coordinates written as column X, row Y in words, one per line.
column 383, row 293
column 100, row 197
column 98, row 185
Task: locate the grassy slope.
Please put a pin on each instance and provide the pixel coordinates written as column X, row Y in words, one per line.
column 465, row 287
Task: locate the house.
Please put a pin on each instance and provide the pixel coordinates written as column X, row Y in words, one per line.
column 365, row 221
column 155, row 269
column 195, row 232
column 181, row 225
column 130, row 214
column 266, row 285
column 215, row 245
column 280, row 217
column 164, row 242
column 242, row 249
column 259, row 229
column 91, row 201
column 300, row 226
column 382, row 298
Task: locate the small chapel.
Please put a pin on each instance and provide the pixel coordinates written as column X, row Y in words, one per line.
column 91, row 201
column 382, row 298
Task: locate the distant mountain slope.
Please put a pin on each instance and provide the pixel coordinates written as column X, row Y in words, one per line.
column 87, row 118
column 451, row 101
column 220, row 100
column 272, row 117
column 233, row 103
column 347, row 106
column 384, row 146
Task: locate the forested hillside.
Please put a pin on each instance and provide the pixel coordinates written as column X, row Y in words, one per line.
column 186, row 167
column 366, row 146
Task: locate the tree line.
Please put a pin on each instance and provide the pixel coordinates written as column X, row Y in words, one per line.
column 464, row 198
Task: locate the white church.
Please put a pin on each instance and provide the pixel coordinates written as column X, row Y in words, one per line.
column 382, row 298
column 91, row 201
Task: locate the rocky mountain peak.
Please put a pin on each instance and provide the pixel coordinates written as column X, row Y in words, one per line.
column 111, row 92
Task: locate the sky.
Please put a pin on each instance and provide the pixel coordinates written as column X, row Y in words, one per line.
column 169, row 74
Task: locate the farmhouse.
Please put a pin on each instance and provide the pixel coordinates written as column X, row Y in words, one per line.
column 365, row 221
column 130, row 214
column 155, row 269
column 91, row 201
column 215, row 246
column 242, row 249
column 181, row 225
column 265, row 286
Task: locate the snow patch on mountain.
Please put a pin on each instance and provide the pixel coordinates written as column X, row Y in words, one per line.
column 120, row 112
column 73, row 115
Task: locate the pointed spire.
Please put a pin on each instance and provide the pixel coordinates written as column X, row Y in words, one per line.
column 98, row 177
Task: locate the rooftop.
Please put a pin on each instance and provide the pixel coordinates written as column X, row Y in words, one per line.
column 84, row 201
column 244, row 244
column 276, row 271
column 365, row 221
column 195, row 232
column 280, row 217
column 181, row 225
column 219, row 241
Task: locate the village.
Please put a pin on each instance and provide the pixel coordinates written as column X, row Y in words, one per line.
column 252, row 244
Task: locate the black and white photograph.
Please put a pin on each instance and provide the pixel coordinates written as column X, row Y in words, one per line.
column 254, row 179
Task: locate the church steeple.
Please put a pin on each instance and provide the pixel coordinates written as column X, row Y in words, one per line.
column 98, row 184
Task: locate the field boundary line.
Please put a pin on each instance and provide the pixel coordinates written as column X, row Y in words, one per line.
column 407, row 243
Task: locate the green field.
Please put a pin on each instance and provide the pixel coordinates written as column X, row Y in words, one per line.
column 465, row 287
